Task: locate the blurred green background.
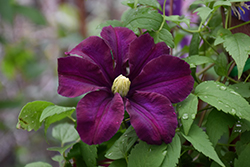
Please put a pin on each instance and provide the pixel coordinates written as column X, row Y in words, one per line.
column 33, row 34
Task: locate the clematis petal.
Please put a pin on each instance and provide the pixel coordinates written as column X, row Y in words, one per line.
column 141, row 51
column 152, row 116
column 78, row 76
column 95, row 49
column 99, row 115
column 118, row 39
column 167, row 75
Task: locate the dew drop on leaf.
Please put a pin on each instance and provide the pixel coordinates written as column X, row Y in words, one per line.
column 185, row 116
column 223, row 88
column 233, row 111
column 193, row 116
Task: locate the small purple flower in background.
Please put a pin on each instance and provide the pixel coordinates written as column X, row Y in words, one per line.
column 241, row 10
column 121, row 71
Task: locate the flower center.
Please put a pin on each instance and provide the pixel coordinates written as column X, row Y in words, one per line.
column 121, row 85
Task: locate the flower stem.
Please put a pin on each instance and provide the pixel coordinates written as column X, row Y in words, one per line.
column 135, row 4
column 209, row 44
column 163, row 15
column 205, row 69
column 72, row 119
column 239, row 25
column 247, row 78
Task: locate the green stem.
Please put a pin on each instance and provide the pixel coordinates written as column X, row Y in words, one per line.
column 239, row 25
column 247, row 78
column 231, row 79
column 135, row 4
column 209, row 44
column 205, row 69
column 163, row 15
column 227, row 17
column 229, row 145
column 72, row 119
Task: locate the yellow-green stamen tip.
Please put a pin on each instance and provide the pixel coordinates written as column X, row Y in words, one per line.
column 121, row 85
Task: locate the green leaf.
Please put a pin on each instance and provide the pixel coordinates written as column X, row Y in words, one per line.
column 55, row 110
column 238, row 46
column 55, row 113
column 65, row 133
column 218, row 4
column 89, row 154
column 194, row 44
column 30, row 114
column 220, row 66
column 200, row 141
column 178, row 19
column 38, row 164
column 152, row 3
column 59, row 159
column 203, row 12
column 221, row 35
column 122, row 145
column 119, row 163
column 146, row 155
column 195, row 60
column 243, row 158
column 217, row 124
column 145, row 18
column 173, row 152
column 163, row 36
column 234, row 72
column 61, row 150
column 187, row 111
column 31, row 13
column 242, row 88
column 223, row 98
column 113, row 23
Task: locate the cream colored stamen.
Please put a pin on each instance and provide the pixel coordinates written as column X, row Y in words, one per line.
column 121, row 85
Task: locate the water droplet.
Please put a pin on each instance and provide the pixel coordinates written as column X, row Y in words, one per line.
column 233, row 111
column 125, row 135
column 233, row 92
column 26, row 116
column 223, row 88
column 238, row 125
column 220, row 102
column 205, row 97
column 32, row 121
column 226, row 106
column 109, row 154
column 193, row 116
column 239, row 114
column 206, row 87
column 150, row 150
column 236, row 87
column 185, row 116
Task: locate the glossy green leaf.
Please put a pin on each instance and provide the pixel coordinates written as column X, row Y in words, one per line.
column 203, row 12
column 55, row 110
column 89, row 154
column 238, row 46
column 163, row 36
column 195, row 60
column 217, row 124
column 146, row 155
column 122, row 145
column 223, row 98
column 119, row 163
column 144, row 18
column 38, row 164
column 199, row 140
column 243, row 158
column 178, row 19
column 220, row 66
column 30, row 114
column 61, row 150
column 173, row 152
column 65, row 133
column 187, row 111
column 194, row 45
column 242, row 88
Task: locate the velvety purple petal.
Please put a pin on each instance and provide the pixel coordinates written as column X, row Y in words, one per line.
column 152, row 116
column 78, row 76
column 118, row 39
column 95, row 49
column 141, row 51
column 167, row 75
column 99, row 115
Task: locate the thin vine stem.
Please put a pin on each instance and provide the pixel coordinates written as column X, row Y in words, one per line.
column 163, row 15
column 209, row 44
column 239, row 25
column 205, row 69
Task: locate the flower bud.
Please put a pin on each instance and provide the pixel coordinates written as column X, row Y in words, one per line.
column 121, row 85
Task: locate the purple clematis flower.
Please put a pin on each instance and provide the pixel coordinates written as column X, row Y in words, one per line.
column 241, row 10
column 121, row 71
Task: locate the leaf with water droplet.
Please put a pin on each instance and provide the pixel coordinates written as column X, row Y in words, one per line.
column 242, row 88
column 187, row 111
column 222, row 98
column 29, row 116
column 140, row 154
column 120, row 148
